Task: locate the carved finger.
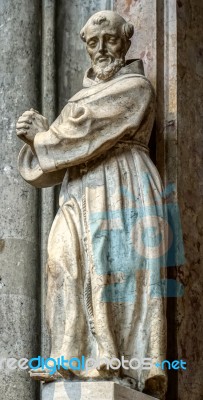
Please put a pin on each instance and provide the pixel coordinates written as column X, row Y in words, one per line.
column 32, row 109
column 25, row 119
column 22, row 125
column 21, row 132
column 27, row 114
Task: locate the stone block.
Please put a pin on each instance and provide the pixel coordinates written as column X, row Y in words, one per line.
column 64, row 390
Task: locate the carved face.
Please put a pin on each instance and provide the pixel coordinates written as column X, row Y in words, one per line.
column 106, row 47
column 105, row 44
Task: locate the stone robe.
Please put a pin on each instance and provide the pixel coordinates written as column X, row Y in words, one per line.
column 108, row 242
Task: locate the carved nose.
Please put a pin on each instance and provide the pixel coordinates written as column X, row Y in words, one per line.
column 101, row 47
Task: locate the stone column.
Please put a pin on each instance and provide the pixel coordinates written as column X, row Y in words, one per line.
column 19, row 206
column 47, row 195
column 166, row 146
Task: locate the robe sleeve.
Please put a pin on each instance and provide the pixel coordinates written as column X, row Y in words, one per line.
column 31, row 171
column 91, row 127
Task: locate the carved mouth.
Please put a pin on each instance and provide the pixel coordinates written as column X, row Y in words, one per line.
column 103, row 59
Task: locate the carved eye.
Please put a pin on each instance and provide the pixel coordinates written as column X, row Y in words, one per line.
column 92, row 43
column 112, row 40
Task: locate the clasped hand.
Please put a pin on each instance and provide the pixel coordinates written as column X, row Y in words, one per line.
column 29, row 124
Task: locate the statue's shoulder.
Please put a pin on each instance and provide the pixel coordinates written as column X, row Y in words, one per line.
column 133, row 75
column 133, row 78
column 133, row 82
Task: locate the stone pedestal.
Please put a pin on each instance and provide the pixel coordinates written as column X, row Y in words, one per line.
column 65, row 390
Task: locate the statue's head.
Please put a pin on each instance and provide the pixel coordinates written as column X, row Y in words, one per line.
column 107, row 37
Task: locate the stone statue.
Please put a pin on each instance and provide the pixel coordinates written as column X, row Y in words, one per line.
column 105, row 258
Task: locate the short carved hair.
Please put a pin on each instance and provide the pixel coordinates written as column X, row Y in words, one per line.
column 127, row 28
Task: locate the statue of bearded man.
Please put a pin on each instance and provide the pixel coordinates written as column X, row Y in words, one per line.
column 105, row 256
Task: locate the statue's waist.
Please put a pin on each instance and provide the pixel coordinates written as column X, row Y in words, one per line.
column 117, row 149
column 131, row 143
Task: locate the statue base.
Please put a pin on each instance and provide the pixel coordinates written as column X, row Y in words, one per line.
column 66, row 390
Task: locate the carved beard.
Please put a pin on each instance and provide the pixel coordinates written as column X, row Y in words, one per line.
column 111, row 69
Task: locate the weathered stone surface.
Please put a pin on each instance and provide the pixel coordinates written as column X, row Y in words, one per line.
column 47, row 196
column 90, row 391
column 19, row 327
column 143, row 15
column 190, row 192
column 19, row 268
